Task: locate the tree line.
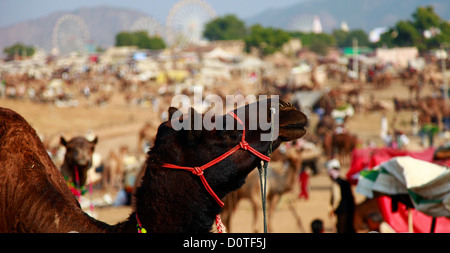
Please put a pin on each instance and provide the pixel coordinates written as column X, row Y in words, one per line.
column 141, row 39
column 425, row 30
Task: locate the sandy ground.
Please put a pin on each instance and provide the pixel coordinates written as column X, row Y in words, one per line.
column 117, row 124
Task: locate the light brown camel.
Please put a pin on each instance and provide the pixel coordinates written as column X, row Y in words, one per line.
column 146, row 137
column 35, row 197
column 112, row 177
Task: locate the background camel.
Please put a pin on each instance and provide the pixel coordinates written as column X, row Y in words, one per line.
column 77, row 161
column 343, row 145
column 114, row 169
column 146, row 137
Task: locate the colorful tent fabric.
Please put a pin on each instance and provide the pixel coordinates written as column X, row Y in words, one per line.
column 367, row 158
column 426, row 188
column 427, row 184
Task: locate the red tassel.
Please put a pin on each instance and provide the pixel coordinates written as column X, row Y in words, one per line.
column 304, row 182
column 220, row 227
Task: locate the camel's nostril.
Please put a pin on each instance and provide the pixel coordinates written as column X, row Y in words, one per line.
column 283, row 104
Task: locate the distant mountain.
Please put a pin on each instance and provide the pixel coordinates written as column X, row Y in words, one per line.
column 358, row 14
column 103, row 24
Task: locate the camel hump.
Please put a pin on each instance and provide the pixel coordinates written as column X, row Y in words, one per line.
column 8, row 118
column 9, row 115
column 14, row 128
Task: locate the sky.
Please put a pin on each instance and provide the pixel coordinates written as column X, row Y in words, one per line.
column 14, row 11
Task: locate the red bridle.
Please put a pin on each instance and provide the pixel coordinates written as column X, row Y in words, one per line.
column 199, row 170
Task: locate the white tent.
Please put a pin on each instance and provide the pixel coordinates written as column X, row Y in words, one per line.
column 219, row 53
column 251, row 63
column 307, row 99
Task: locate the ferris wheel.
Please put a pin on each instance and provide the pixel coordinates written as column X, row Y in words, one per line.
column 150, row 25
column 301, row 23
column 186, row 20
column 70, row 34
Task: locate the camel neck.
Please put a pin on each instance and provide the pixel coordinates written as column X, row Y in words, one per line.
column 181, row 208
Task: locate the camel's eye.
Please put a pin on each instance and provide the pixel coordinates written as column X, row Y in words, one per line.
column 234, row 134
column 231, row 134
column 221, row 132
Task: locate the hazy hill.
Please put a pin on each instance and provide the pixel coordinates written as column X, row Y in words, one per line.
column 103, row 23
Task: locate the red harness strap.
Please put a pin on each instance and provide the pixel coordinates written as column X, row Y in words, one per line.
column 199, row 170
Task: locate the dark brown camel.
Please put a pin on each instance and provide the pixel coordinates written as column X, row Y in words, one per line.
column 77, row 160
column 35, row 197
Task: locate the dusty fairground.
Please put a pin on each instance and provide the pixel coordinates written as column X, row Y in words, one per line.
column 117, row 123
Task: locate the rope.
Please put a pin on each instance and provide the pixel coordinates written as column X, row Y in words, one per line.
column 262, row 169
column 243, row 144
column 78, row 187
column 140, row 228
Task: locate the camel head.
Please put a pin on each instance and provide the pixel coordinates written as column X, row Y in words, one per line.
column 79, row 153
column 79, row 150
column 198, row 143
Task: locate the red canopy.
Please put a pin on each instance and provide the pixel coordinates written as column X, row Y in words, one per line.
column 371, row 157
column 399, row 220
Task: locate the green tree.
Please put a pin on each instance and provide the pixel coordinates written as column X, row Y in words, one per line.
column 309, row 38
column 360, row 35
column 444, row 36
column 387, row 39
column 266, row 40
column 425, row 18
column 345, row 39
column 341, row 37
column 139, row 39
column 143, row 41
column 19, row 49
column 319, row 47
column 228, row 27
column 125, row 39
column 316, row 42
column 412, row 32
column 407, row 34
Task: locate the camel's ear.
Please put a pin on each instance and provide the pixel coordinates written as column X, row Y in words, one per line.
column 95, row 140
column 195, row 125
column 172, row 110
column 63, row 141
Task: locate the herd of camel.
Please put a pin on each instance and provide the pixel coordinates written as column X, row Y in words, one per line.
column 35, row 197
